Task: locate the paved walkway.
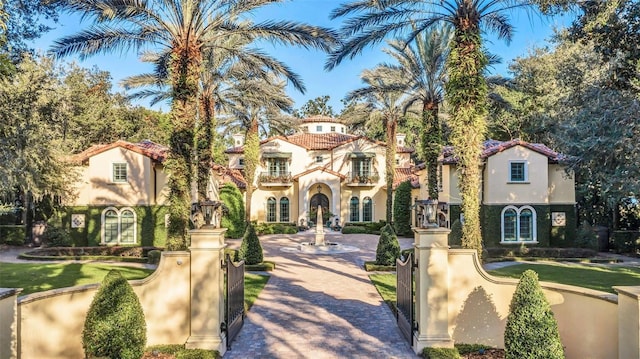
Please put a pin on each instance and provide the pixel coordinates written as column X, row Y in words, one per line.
column 320, row 306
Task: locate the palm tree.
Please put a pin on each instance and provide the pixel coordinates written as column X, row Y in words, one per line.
column 184, row 29
column 421, row 70
column 381, row 100
column 466, row 90
column 253, row 103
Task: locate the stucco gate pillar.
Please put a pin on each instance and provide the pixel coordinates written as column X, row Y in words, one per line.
column 207, row 290
column 432, row 289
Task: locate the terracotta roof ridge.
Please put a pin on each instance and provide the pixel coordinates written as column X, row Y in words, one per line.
column 319, row 168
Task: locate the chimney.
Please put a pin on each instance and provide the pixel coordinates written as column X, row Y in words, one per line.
column 400, row 139
column 238, row 139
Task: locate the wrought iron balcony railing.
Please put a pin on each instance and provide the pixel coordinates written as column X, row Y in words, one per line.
column 363, row 178
column 275, row 178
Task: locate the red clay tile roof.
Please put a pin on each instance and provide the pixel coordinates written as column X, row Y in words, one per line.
column 233, row 175
column 320, row 118
column 491, row 147
column 318, row 169
column 319, row 141
column 147, row 148
column 405, row 174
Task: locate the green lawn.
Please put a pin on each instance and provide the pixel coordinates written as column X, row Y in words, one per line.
column 39, row 277
column 594, row 277
column 253, row 285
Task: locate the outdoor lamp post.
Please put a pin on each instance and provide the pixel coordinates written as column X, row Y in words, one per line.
column 431, row 208
column 208, row 209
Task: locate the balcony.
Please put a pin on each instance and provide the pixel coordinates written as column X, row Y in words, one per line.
column 356, row 179
column 281, row 179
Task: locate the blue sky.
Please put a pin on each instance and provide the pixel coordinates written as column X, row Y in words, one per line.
column 309, row 64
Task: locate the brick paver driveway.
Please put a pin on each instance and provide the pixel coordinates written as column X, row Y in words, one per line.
column 320, row 306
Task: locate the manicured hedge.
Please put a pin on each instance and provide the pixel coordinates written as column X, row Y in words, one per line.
column 545, row 252
column 250, row 249
column 402, row 209
column 388, row 247
column 626, row 241
column 276, row 228
column 14, row 235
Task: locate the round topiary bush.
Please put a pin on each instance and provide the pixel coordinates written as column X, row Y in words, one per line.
column 388, row 247
column 250, row 249
column 531, row 330
column 455, row 237
column 56, row 237
column 115, row 326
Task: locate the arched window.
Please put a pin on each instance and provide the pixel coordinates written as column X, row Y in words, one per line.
column 518, row 224
column 271, row 209
column 284, row 209
column 354, row 209
column 119, row 226
column 367, row 210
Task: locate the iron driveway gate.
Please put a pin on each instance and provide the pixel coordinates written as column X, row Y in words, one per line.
column 235, row 299
column 404, row 294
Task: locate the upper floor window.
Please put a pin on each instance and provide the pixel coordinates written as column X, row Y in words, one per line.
column 518, row 171
column 241, row 162
column 119, row 172
column 361, row 166
column 342, row 129
column 278, row 166
column 333, row 128
column 319, row 159
column 318, row 128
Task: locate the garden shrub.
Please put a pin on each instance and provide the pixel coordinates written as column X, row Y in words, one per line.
column 440, row 353
column 196, row 354
column 402, row 209
column 56, row 237
column 354, row 230
column 455, row 236
column 626, row 241
column 154, row 256
column 11, row 234
column 234, row 221
column 250, row 249
column 115, row 326
column 276, row 228
column 388, row 247
column 471, row 348
column 531, row 330
column 586, row 237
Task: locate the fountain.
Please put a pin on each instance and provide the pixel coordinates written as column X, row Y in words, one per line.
column 320, row 245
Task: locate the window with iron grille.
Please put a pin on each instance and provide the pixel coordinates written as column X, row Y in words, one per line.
column 354, row 209
column 367, row 210
column 271, row 209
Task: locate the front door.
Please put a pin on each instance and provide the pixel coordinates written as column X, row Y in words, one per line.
column 318, row 199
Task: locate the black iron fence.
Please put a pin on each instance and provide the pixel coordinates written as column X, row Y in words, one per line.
column 404, row 293
column 235, row 299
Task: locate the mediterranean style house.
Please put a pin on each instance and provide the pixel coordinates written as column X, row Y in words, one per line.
column 526, row 195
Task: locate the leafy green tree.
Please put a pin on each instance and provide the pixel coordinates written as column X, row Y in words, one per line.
column 531, row 331
column 130, row 24
column 317, row 106
column 402, row 209
column 23, row 23
column 388, row 247
column 466, row 89
column 30, row 150
column 250, row 249
column 115, row 326
column 235, row 220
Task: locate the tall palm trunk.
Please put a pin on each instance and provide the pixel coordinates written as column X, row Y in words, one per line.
column 467, row 92
column 431, row 140
column 390, row 163
column 251, row 159
column 205, row 142
column 184, row 73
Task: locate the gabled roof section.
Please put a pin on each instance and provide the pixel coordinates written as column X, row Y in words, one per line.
column 322, row 169
column 492, row 147
column 405, row 174
column 233, row 175
column 147, row 148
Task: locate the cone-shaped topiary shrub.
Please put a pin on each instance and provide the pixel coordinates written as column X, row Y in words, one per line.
column 402, row 209
column 115, row 326
column 388, row 247
column 250, row 249
column 455, row 237
column 531, row 331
